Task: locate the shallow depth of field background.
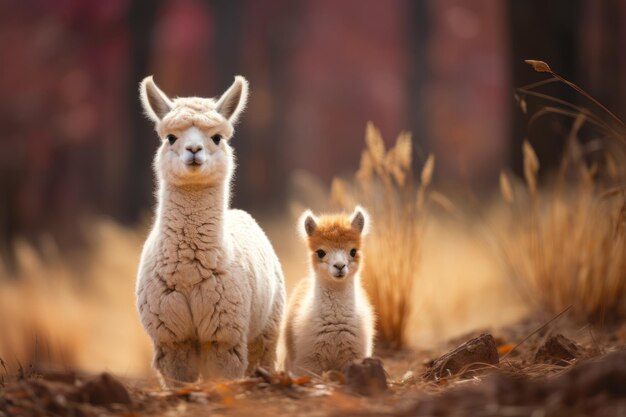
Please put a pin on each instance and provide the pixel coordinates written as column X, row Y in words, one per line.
column 76, row 185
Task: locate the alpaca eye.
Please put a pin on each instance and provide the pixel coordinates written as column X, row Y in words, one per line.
column 171, row 138
column 216, row 139
column 320, row 253
column 353, row 252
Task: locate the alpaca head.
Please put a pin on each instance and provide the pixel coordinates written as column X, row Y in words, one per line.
column 335, row 243
column 194, row 133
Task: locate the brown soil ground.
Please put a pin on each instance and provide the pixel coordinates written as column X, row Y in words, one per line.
column 553, row 369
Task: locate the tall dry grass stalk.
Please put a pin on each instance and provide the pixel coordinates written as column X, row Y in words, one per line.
column 385, row 186
column 566, row 243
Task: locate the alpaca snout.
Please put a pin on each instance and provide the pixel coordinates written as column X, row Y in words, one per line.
column 194, row 158
column 339, row 270
column 194, row 148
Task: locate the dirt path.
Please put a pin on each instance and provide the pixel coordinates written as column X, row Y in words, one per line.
column 558, row 371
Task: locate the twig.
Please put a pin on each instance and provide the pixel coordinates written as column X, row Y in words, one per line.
column 595, row 342
column 543, row 326
column 539, row 83
column 585, row 94
column 580, row 109
column 551, row 109
column 4, row 366
column 541, row 66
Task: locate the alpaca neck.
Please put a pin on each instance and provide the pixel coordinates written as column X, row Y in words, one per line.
column 195, row 214
column 333, row 294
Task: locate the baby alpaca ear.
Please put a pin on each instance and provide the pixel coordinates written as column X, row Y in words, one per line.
column 360, row 220
column 155, row 102
column 234, row 100
column 308, row 222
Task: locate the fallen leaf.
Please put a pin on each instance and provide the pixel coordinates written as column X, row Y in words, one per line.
column 225, row 393
column 504, row 349
column 303, row 380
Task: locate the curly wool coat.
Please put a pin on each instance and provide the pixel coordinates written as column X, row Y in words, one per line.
column 210, row 288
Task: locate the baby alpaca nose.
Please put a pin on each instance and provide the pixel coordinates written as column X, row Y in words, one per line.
column 194, row 148
column 340, row 267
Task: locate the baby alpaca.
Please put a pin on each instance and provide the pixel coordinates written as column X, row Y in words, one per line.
column 210, row 288
column 329, row 321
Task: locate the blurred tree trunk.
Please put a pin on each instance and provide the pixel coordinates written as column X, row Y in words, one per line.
column 10, row 183
column 270, row 30
column 228, row 20
column 280, row 48
column 547, row 31
column 226, row 54
column 419, row 30
column 139, row 186
column 468, row 90
column 603, row 53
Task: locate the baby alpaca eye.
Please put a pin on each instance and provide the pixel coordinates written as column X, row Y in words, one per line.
column 171, row 138
column 353, row 252
column 216, row 139
column 320, row 253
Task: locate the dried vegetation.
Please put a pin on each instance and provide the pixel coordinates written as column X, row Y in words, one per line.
column 384, row 184
column 52, row 317
column 566, row 242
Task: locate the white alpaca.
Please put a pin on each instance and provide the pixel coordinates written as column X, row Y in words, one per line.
column 329, row 321
column 210, row 289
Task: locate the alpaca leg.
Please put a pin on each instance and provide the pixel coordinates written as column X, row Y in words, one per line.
column 177, row 362
column 256, row 349
column 270, row 337
column 224, row 361
column 307, row 366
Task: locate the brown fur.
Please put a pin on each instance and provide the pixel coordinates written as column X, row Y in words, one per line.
column 334, row 231
column 329, row 321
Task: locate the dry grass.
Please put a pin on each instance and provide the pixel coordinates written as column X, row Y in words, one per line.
column 385, row 186
column 76, row 313
column 566, row 243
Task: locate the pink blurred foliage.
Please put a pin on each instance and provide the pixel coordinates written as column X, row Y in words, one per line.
column 75, row 137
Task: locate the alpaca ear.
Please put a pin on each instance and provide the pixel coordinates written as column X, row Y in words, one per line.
column 360, row 220
column 308, row 222
column 155, row 102
column 234, row 100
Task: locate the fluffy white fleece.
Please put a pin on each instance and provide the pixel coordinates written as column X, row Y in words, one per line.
column 210, row 288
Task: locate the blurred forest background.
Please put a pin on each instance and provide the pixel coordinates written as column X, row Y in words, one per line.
column 76, row 183
column 75, row 141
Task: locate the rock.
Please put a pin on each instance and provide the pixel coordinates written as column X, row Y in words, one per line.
column 366, row 377
column 590, row 388
column 558, row 349
column 605, row 377
column 472, row 355
column 103, row 390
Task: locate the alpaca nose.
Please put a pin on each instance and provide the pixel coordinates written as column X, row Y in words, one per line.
column 194, row 148
column 340, row 267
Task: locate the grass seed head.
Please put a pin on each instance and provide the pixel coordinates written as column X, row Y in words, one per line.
column 427, row 170
column 531, row 167
column 505, row 188
column 538, row 66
